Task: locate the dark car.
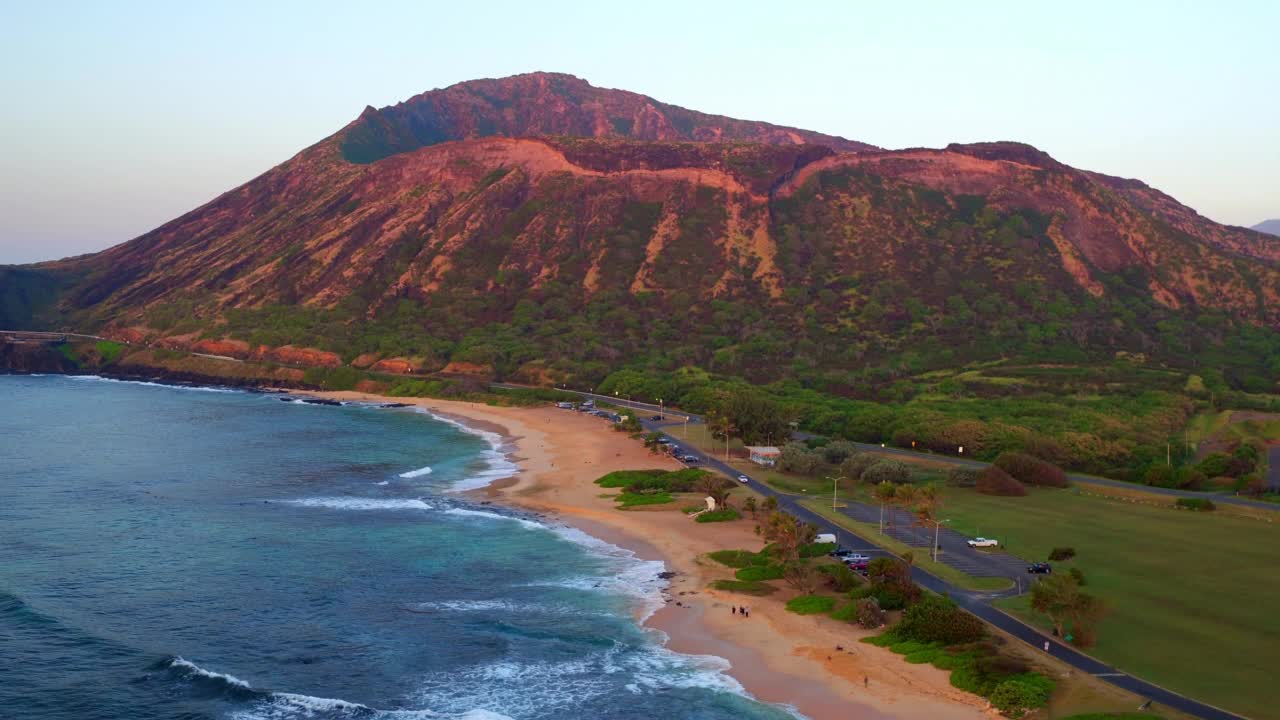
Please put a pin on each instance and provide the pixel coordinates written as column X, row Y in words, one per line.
column 1040, row 568
column 690, row 459
column 656, row 417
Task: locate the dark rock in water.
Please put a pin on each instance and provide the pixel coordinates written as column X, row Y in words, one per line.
column 393, row 405
column 320, row 401
column 667, row 575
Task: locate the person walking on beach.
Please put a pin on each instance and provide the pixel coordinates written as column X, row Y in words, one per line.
column 733, row 609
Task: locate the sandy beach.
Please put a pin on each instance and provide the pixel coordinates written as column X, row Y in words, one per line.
column 777, row 656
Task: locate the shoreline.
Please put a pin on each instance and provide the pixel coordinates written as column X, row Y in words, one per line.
column 777, row 657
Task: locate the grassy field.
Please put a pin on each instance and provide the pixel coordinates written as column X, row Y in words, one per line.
column 1192, row 595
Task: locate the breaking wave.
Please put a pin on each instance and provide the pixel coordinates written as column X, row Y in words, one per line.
column 359, row 503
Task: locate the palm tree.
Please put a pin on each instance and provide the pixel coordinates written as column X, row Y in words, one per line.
column 750, row 506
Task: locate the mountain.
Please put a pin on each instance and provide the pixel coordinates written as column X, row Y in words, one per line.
column 539, row 227
column 1270, row 227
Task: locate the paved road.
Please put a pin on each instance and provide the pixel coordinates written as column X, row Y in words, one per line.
column 977, row 603
column 1273, row 472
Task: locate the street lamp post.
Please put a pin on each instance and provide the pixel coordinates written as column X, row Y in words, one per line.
column 937, row 526
column 835, row 483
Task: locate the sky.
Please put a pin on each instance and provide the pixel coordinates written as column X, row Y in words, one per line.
column 118, row 117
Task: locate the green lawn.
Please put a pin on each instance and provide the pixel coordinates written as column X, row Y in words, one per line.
column 1193, row 596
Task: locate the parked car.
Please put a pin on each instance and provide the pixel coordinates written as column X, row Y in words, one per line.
column 983, row 542
column 664, row 441
column 743, row 478
column 1040, row 568
column 690, row 459
column 859, row 566
column 840, row 552
column 655, row 417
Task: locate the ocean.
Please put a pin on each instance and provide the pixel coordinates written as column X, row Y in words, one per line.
column 205, row 553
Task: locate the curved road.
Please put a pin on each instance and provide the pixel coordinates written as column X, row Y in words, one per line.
column 977, row 603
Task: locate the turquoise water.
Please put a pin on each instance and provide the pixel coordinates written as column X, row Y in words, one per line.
column 200, row 553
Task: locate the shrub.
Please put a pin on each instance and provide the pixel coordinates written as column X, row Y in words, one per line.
column 1189, row 478
column 1197, row 504
column 746, row 587
column 994, row 481
column 798, row 458
column 1020, row 693
column 869, row 613
column 760, row 572
column 811, row 604
column 721, row 515
column 1215, row 464
column 630, row 499
column 921, row 657
column 853, row 467
column 890, row 471
column 1032, row 470
column 1159, row 475
column 890, row 597
column 813, row 550
column 840, row 578
column 738, row 558
column 1078, row 574
column 847, row 612
column 964, row 477
column 838, row 451
column 1062, row 554
column 624, row 478
column 939, row 619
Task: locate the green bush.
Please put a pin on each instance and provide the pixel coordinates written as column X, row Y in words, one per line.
column 1020, row 693
column 856, row 464
column 738, row 558
column 337, row 378
column 1062, row 554
column 847, row 612
column 624, row 478
column 811, row 604
column 839, row 577
column 887, row 471
column 938, row 619
column 921, row 657
column 745, row 587
column 1197, row 504
column 109, row 351
column 813, row 550
column 721, row 515
column 760, row 572
column 629, row 499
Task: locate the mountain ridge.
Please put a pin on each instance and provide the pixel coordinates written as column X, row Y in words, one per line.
column 1270, row 227
column 765, row 257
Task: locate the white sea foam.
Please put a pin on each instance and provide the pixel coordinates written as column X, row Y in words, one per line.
column 359, row 503
column 468, row 512
column 384, row 482
column 498, row 465
column 193, row 669
column 193, row 388
column 416, row 473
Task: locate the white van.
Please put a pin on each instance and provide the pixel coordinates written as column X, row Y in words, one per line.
column 825, row 538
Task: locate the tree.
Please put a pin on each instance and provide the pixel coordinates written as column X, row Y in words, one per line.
column 770, row 504
column 856, row 464
column 799, row 459
column 750, row 506
column 885, row 493
column 716, row 487
column 1061, row 599
column 757, row 417
column 801, row 576
column 788, row 534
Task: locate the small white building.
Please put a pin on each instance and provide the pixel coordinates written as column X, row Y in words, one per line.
column 765, row 455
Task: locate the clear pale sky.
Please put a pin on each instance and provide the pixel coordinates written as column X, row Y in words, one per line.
column 117, row 117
